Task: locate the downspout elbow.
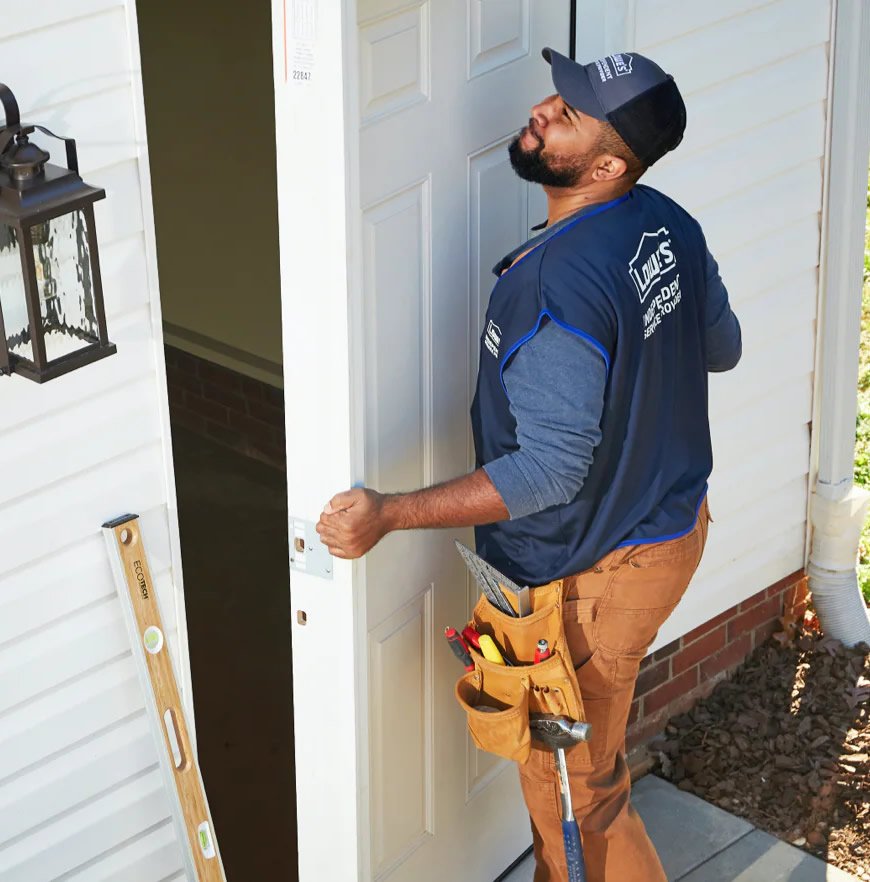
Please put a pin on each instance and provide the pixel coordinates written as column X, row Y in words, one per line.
column 837, row 519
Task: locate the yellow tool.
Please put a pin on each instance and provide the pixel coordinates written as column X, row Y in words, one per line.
column 490, row 650
column 193, row 823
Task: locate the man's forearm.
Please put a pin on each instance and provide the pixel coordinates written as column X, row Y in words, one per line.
column 463, row 502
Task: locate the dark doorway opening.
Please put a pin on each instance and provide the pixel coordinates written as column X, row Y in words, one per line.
column 207, row 76
column 232, row 514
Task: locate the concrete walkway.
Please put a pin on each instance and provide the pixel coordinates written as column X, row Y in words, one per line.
column 699, row 842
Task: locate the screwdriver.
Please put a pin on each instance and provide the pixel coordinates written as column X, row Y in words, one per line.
column 471, row 637
column 460, row 650
column 542, row 651
column 491, row 651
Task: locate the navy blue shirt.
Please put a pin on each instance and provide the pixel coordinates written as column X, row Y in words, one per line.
column 555, row 385
column 538, row 448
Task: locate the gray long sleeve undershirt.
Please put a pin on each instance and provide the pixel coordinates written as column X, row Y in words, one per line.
column 555, row 384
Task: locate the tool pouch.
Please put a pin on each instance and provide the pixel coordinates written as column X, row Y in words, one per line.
column 498, row 699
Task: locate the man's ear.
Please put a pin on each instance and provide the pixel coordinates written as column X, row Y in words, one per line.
column 609, row 168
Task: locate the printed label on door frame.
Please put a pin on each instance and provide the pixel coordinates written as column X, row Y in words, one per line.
column 300, row 40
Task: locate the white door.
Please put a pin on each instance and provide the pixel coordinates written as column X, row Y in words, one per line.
column 396, row 197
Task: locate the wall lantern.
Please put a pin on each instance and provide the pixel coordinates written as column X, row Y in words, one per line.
column 52, row 317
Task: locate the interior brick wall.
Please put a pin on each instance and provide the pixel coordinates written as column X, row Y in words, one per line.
column 675, row 677
column 228, row 407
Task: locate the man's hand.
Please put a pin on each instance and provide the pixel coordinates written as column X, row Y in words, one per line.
column 352, row 523
column 355, row 521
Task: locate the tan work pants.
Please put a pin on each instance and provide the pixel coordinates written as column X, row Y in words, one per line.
column 613, row 613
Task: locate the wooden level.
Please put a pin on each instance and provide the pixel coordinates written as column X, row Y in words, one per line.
column 183, row 781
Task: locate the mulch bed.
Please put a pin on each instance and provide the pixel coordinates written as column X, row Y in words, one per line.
column 785, row 743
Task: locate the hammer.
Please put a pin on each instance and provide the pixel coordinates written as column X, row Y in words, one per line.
column 558, row 733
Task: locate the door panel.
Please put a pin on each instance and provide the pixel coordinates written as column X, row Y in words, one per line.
column 397, row 309
column 401, row 776
column 443, row 87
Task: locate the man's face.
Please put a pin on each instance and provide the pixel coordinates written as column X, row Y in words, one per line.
column 558, row 146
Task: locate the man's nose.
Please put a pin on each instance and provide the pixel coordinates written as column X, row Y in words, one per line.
column 541, row 112
column 539, row 118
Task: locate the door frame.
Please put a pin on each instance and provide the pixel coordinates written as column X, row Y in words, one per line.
column 327, row 614
column 601, row 27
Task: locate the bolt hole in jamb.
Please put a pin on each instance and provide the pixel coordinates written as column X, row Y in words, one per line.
column 301, row 617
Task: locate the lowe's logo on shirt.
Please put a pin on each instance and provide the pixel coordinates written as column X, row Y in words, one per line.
column 492, row 337
column 653, row 259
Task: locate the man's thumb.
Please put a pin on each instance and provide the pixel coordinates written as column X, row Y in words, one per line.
column 340, row 502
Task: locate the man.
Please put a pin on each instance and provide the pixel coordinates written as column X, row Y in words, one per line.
column 590, row 424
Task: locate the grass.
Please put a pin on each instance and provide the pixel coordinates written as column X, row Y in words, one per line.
column 862, row 428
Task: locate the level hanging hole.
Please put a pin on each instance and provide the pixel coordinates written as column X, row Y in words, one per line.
column 301, row 617
column 126, row 536
column 171, row 723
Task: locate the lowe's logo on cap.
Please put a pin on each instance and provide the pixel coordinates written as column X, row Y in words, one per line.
column 621, row 64
column 653, row 259
column 614, row 65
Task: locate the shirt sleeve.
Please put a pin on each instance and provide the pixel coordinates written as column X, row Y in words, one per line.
column 555, row 384
column 724, row 339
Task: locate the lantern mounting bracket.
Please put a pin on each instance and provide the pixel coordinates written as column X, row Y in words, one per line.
column 14, row 128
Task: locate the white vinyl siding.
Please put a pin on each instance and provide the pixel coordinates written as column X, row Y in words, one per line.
column 81, row 795
column 750, row 168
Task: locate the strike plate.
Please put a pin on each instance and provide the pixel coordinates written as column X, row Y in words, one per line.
column 307, row 553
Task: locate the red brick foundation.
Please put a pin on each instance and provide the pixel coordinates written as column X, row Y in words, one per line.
column 230, row 408
column 674, row 677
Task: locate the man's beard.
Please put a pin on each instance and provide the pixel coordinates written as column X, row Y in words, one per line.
column 531, row 165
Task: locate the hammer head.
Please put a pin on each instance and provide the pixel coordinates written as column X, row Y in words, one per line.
column 558, row 732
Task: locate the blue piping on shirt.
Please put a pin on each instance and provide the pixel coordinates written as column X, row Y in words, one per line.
column 546, row 312
column 672, row 535
column 545, row 239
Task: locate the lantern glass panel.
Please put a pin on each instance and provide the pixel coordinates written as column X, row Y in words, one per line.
column 12, row 297
column 65, row 284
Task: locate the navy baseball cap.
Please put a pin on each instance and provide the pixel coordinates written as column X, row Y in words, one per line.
column 630, row 92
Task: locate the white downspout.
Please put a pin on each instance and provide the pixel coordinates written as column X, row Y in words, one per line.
column 837, row 507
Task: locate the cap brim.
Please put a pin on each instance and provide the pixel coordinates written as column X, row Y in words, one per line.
column 573, row 84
